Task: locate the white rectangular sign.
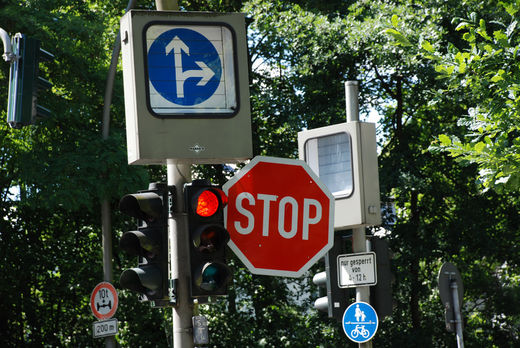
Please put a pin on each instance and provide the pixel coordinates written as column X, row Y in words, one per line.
column 105, row 328
column 357, row 270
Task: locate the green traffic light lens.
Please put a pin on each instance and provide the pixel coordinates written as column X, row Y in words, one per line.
column 214, row 276
column 210, row 278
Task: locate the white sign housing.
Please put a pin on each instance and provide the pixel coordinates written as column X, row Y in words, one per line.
column 344, row 156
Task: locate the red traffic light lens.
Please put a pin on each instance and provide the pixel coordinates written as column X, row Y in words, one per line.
column 207, row 204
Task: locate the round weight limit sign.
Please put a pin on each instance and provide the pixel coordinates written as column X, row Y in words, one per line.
column 103, row 301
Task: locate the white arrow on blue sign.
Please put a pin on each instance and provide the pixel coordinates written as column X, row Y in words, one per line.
column 191, row 69
column 360, row 322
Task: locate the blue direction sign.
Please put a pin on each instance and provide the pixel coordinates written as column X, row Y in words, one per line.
column 360, row 322
column 184, row 66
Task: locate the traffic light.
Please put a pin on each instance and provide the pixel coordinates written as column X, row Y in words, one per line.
column 208, row 238
column 381, row 293
column 149, row 242
column 24, row 82
column 335, row 301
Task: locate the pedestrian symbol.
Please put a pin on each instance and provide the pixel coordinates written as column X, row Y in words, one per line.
column 360, row 315
column 190, row 68
column 360, row 322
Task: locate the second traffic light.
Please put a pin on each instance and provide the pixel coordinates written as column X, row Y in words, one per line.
column 149, row 242
column 25, row 82
column 208, row 237
column 335, row 301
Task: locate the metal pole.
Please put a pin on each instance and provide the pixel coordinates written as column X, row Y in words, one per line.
column 178, row 175
column 109, row 87
column 456, row 310
column 182, row 313
column 106, row 222
column 351, row 100
column 167, row 5
column 106, row 241
column 8, row 52
column 359, row 241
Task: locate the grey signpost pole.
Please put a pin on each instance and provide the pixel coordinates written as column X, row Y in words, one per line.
column 178, row 175
column 451, row 291
column 456, row 308
column 106, row 222
column 359, row 243
column 8, row 52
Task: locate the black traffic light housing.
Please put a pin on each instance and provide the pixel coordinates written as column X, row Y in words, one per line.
column 334, row 302
column 25, row 82
column 208, row 238
column 149, row 242
column 381, row 294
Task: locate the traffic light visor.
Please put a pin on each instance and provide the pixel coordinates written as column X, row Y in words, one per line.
column 137, row 243
column 146, row 279
column 145, row 206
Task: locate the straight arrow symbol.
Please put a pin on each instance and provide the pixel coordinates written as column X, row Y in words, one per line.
column 205, row 73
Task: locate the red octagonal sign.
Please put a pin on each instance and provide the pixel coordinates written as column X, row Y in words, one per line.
column 280, row 217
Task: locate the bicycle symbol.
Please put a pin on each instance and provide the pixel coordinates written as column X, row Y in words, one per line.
column 360, row 330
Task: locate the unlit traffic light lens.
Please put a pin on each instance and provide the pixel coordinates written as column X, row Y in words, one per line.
column 208, row 241
column 210, row 238
column 214, row 276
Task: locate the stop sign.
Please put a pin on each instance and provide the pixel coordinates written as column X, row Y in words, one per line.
column 280, row 217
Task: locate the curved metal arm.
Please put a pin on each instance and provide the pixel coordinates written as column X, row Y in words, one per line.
column 8, row 52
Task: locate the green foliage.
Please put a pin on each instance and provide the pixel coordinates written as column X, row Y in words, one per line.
column 487, row 72
column 55, row 174
column 442, row 213
column 437, row 81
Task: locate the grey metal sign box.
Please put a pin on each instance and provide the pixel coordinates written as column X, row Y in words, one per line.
column 162, row 123
column 353, row 163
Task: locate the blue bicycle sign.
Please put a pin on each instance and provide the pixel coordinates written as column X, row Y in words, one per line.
column 360, row 322
column 360, row 330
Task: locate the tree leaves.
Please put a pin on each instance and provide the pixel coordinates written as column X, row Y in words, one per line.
column 400, row 38
column 489, row 73
column 302, row 53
